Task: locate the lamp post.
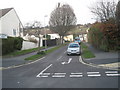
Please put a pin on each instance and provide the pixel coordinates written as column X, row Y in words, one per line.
column 45, row 32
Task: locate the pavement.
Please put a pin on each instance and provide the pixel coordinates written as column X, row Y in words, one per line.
column 108, row 60
column 11, row 62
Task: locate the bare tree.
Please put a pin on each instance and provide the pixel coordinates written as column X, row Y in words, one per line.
column 62, row 20
column 104, row 10
column 36, row 25
column 118, row 15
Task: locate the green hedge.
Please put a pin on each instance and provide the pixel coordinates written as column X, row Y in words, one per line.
column 98, row 39
column 11, row 44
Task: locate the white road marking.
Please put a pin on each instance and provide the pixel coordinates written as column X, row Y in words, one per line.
column 69, row 60
column 44, row 70
column 113, row 74
column 92, row 72
column 95, row 75
column 63, row 63
column 58, row 76
column 43, row 76
column 59, row 73
column 59, row 58
column 76, row 75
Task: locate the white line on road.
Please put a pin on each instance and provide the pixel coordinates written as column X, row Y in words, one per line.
column 76, row 75
column 43, row 76
column 70, row 59
column 58, row 76
column 95, row 75
column 111, row 72
column 59, row 73
column 63, row 63
column 44, row 70
column 59, row 58
column 92, row 72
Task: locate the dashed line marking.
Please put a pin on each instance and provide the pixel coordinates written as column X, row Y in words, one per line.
column 94, row 75
column 59, row 58
column 92, row 72
column 76, row 75
column 43, row 76
column 113, row 74
column 59, row 73
column 58, row 76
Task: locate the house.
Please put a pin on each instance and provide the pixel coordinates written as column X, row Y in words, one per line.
column 10, row 23
column 68, row 38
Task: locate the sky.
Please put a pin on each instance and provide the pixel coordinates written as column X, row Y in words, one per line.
column 36, row 10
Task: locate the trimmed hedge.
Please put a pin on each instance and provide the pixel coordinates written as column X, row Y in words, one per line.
column 11, row 44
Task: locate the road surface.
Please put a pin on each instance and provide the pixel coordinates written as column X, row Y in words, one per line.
column 57, row 70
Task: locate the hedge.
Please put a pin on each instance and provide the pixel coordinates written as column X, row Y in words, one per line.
column 11, row 44
column 103, row 36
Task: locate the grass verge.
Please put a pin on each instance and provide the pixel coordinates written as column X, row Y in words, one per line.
column 22, row 52
column 37, row 56
column 86, row 53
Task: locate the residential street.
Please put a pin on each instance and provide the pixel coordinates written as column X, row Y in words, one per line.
column 57, row 70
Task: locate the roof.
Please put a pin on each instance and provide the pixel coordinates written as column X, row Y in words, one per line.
column 4, row 11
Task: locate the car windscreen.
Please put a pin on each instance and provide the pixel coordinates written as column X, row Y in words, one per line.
column 73, row 45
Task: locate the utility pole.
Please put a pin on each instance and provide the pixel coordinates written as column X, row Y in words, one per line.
column 45, row 32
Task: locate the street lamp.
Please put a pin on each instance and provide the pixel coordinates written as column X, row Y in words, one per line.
column 45, row 32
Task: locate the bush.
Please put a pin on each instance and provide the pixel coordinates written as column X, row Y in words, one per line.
column 7, row 45
column 103, row 36
column 18, row 43
column 11, row 44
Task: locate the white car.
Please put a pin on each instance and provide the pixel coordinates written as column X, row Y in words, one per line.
column 74, row 48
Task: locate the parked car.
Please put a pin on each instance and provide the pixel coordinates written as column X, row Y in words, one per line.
column 74, row 48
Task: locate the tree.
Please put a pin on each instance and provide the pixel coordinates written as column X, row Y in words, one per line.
column 118, row 15
column 62, row 20
column 118, row 23
column 36, row 25
column 104, row 10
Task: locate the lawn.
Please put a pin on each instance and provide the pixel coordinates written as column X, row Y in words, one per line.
column 86, row 53
column 22, row 52
column 42, row 54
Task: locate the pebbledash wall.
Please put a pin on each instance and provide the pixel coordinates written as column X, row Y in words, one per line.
column 11, row 25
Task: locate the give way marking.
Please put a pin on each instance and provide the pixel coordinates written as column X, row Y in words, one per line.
column 70, row 59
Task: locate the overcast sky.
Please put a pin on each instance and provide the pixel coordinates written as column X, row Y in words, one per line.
column 30, row 10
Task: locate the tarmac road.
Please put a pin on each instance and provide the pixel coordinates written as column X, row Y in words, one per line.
column 57, row 70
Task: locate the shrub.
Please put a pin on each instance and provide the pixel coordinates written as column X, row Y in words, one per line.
column 18, row 43
column 11, row 44
column 103, row 36
column 7, row 45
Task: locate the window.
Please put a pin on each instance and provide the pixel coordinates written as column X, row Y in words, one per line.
column 14, row 32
